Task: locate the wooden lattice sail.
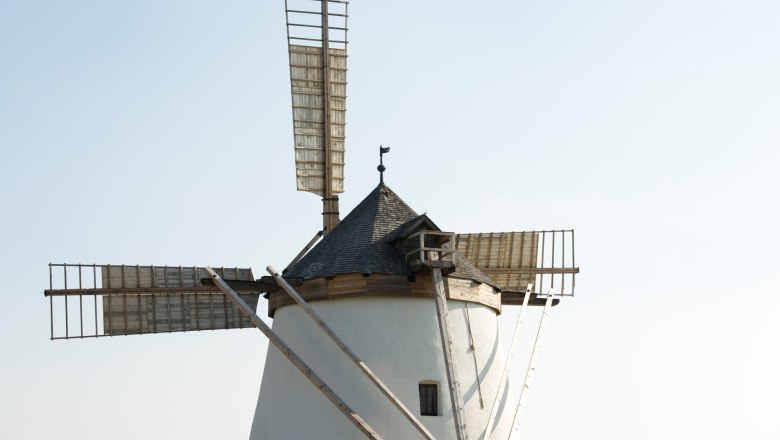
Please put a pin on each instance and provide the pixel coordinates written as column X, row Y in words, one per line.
column 317, row 43
column 94, row 300
column 544, row 259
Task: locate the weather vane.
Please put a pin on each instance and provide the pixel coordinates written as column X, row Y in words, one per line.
column 381, row 167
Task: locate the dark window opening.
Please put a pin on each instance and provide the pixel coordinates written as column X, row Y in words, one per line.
column 429, row 399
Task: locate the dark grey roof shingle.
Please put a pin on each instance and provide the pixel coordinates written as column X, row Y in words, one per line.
column 363, row 242
column 356, row 244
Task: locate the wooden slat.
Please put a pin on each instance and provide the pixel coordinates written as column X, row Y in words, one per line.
column 171, row 313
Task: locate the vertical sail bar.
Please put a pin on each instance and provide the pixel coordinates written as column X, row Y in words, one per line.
column 51, row 303
column 330, row 202
column 318, row 86
column 514, row 433
column 456, row 398
column 353, row 417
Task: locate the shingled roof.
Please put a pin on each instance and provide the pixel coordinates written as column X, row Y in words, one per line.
column 363, row 242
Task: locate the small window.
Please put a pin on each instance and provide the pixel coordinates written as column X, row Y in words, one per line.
column 429, row 399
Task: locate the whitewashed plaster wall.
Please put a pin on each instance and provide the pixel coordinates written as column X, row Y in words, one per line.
column 398, row 338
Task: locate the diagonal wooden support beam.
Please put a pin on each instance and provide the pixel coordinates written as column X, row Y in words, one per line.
column 294, row 358
column 303, row 251
column 504, row 374
column 456, row 398
column 514, row 433
column 351, row 355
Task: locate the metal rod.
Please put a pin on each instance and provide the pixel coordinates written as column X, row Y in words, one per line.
column 124, row 297
column 346, row 20
column 479, row 247
column 110, row 300
column 167, row 298
column 154, row 301
column 316, row 26
column 51, row 316
column 124, row 305
column 350, row 354
column 531, row 270
column 502, row 383
column 196, row 276
column 552, row 258
column 65, row 271
column 572, row 261
column 138, row 284
column 181, row 298
column 511, row 254
column 490, row 249
column 563, row 259
column 541, row 275
column 332, row 14
column 353, row 416
column 240, row 320
column 456, row 398
column 211, row 310
column 81, row 307
column 514, row 433
column 224, row 299
column 138, row 291
column 94, row 297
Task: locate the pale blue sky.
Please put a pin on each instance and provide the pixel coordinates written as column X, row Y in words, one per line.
column 153, row 132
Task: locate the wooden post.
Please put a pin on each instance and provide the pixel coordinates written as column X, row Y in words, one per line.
column 294, row 358
column 456, row 398
column 512, row 349
column 514, row 433
column 350, row 354
column 330, row 201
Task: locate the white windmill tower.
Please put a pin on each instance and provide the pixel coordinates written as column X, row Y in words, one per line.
column 386, row 328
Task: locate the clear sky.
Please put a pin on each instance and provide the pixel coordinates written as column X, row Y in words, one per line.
column 159, row 132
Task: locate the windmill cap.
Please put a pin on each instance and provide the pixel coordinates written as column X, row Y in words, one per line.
column 364, row 242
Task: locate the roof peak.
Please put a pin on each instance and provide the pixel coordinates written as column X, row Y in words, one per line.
column 359, row 243
column 364, row 242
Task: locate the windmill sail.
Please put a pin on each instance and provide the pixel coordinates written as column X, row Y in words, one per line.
column 317, row 43
column 515, row 259
column 308, row 97
column 109, row 300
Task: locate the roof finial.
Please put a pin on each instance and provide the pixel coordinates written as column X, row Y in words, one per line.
column 381, row 167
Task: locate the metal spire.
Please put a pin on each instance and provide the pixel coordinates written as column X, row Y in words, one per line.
column 381, row 168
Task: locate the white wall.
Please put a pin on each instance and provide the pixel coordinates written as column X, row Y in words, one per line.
column 398, row 338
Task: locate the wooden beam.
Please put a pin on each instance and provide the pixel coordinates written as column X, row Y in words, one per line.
column 509, row 298
column 514, row 433
column 456, row 398
column 303, row 251
column 530, row 270
column 505, row 373
column 348, row 412
column 351, row 355
column 238, row 285
column 330, row 201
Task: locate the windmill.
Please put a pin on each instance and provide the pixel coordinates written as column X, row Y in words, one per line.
column 385, row 326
